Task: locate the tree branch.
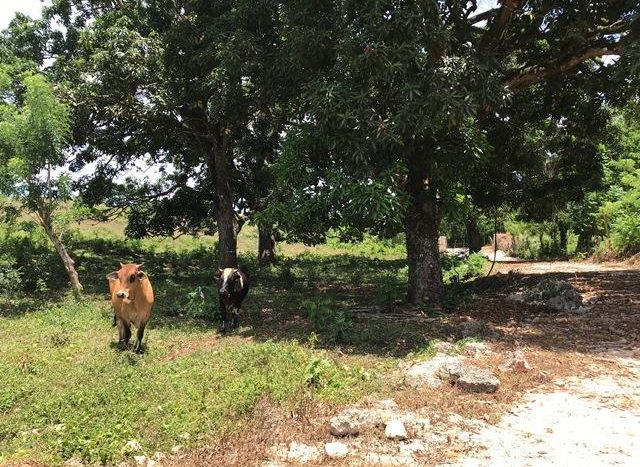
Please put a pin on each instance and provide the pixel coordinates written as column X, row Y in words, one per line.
column 484, row 16
column 536, row 73
column 499, row 24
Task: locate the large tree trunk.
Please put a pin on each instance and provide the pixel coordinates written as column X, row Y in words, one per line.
column 421, row 227
column 227, row 224
column 266, row 245
column 473, row 235
column 68, row 262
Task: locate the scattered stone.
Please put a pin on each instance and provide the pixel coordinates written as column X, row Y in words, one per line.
column 387, row 459
column 151, row 463
column 473, row 328
column 73, row 462
column 140, row 460
column 411, row 447
column 395, row 430
column 303, row 453
column 476, row 349
column 176, row 449
column 159, row 456
column 133, row 445
column 185, row 435
column 426, row 373
column 552, row 293
column 336, row 449
column 279, row 451
column 354, row 420
column 516, row 362
column 444, row 347
column 470, row 378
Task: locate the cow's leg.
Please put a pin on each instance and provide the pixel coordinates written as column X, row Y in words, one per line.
column 140, row 334
column 115, row 320
column 122, row 333
column 127, row 334
column 236, row 316
column 224, row 317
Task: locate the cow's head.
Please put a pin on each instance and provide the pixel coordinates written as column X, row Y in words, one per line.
column 128, row 277
column 229, row 280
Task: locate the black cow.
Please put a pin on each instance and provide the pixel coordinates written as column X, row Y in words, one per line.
column 233, row 287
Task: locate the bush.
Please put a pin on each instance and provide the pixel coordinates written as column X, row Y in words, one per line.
column 625, row 234
column 10, row 280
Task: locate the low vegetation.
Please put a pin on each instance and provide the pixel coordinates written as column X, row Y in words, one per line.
column 67, row 391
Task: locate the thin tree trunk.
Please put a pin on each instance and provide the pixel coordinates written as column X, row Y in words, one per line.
column 421, row 227
column 67, row 261
column 227, row 224
column 266, row 245
column 473, row 234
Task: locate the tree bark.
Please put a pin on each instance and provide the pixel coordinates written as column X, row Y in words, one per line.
column 564, row 237
column 266, row 245
column 474, row 238
column 425, row 285
column 67, row 261
column 227, row 224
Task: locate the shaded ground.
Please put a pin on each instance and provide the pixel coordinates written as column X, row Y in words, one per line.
column 585, row 366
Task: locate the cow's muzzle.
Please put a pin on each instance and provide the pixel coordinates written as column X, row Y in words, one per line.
column 122, row 294
column 223, row 292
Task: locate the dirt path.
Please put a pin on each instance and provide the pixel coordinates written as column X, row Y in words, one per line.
column 575, row 420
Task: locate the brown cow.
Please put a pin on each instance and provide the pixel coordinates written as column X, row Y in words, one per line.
column 132, row 299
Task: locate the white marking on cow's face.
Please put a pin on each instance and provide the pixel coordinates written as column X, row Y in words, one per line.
column 227, row 274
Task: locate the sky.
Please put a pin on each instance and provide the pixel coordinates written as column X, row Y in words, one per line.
column 8, row 9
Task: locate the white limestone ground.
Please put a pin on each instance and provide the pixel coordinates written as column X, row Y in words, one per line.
column 586, row 422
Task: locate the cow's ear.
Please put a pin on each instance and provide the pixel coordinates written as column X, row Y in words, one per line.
column 218, row 274
column 142, row 275
column 112, row 276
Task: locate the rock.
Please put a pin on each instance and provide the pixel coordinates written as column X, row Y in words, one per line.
column 444, row 347
column 336, row 449
column 413, row 446
column 140, row 460
column 133, row 445
column 473, row 328
column 159, row 456
column 279, row 451
column 354, row 420
column 426, row 373
column 476, row 349
column 73, row 462
column 151, row 463
column 176, row 449
column 395, row 430
column 552, row 293
column 516, row 362
column 470, row 378
column 302, row 453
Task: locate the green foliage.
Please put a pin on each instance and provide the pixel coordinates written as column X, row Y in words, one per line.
column 202, row 303
column 10, row 280
column 457, row 269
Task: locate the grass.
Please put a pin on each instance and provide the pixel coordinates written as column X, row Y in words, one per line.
column 66, row 391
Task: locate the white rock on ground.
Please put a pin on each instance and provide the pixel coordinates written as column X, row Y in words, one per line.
column 336, row 449
column 426, row 373
column 354, row 420
column 476, row 349
column 140, row 460
column 299, row 452
column 516, row 362
column 133, row 445
column 470, row 378
column 395, row 430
